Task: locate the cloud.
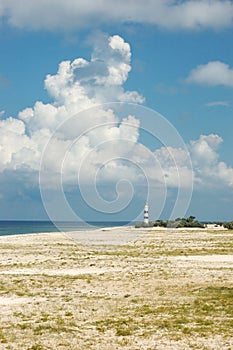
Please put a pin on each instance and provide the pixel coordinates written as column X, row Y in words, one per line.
column 82, row 84
column 218, row 103
column 175, row 165
column 76, row 144
column 209, row 171
column 78, row 86
column 2, row 113
column 213, row 73
column 171, row 14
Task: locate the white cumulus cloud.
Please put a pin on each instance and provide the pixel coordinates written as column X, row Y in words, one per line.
column 76, row 88
column 213, row 73
column 94, row 139
column 209, row 170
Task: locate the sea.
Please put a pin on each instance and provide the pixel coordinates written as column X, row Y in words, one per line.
column 26, row 227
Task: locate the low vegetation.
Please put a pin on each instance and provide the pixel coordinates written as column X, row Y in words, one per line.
column 228, row 225
column 177, row 223
column 183, row 223
column 163, row 291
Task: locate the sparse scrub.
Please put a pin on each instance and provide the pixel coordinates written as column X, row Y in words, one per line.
column 149, row 292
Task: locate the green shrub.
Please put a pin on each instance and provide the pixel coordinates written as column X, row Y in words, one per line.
column 229, row 225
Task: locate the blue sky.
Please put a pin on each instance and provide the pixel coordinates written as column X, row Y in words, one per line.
column 176, row 56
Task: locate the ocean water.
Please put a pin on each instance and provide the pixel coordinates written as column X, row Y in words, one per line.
column 25, row 227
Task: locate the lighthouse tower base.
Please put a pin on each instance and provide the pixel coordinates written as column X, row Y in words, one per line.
column 146, row 214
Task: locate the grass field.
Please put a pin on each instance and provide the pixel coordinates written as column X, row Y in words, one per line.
column 167, row 290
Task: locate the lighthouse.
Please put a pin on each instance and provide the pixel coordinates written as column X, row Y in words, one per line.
column 146, row 216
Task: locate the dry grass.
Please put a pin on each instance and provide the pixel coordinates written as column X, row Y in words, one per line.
column 168, row 290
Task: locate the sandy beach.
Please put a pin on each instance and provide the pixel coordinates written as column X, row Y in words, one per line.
column 117, row 288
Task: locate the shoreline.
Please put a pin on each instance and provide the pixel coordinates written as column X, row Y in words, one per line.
column 127, row 228
column 115, row 235
column 108, row 236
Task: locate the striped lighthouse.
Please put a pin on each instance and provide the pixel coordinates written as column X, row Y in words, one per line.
column 146, row 215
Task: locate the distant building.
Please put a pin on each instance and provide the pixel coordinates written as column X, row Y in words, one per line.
column 146, row 214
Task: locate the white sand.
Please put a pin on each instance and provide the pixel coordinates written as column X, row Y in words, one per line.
column 56, row 289
column 106, row 236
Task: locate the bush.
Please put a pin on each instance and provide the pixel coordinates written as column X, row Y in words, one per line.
column 177, row 223
column 229, row 225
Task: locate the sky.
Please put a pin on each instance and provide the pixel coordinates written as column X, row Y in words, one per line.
column 105, row 107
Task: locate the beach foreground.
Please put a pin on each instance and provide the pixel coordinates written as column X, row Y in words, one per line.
column 169, row 289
